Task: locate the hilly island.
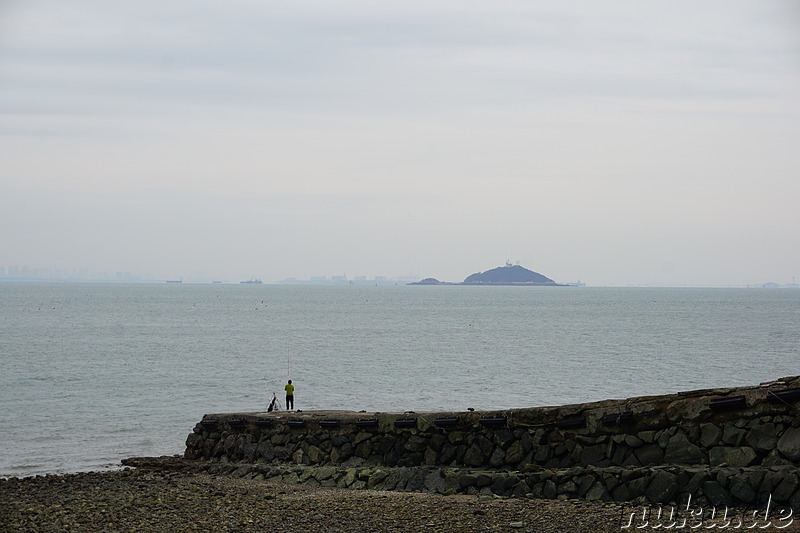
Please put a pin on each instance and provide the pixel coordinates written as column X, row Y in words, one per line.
column 504, row 275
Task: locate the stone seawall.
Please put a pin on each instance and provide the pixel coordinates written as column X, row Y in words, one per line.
column 732, row 446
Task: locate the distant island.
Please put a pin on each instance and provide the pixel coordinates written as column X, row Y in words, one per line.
column 504, row 275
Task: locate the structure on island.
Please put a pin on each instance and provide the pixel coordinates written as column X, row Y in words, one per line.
column 504, row 275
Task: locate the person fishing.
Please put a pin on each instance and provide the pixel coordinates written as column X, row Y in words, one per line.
column 289, row 396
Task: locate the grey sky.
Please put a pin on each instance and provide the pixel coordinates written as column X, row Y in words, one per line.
column 615, row 142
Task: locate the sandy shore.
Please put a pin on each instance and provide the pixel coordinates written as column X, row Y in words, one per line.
column 166, row 501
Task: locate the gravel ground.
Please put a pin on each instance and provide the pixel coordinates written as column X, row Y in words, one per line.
column 145, row 500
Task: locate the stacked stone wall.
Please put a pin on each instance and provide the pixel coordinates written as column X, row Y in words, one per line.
column 709, row 433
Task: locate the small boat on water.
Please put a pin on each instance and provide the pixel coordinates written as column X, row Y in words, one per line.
column 252, row 281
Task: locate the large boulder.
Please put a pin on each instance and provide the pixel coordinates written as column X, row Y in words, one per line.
column 709, row 435
column 763, row 437
column 681, row 451
column 649, row 454
column 663, row 488
column 789, row 444
column 731, row 456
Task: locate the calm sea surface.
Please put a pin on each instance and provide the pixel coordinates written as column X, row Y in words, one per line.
column 93, row 373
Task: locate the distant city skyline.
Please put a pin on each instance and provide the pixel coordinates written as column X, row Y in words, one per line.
column 88, row 274
column 32, row 273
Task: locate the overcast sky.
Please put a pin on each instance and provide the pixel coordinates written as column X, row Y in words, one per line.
column 612, row 142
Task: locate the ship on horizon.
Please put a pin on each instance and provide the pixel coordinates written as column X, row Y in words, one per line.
column 252, row 281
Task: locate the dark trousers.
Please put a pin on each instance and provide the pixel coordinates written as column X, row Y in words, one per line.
column 289, row 401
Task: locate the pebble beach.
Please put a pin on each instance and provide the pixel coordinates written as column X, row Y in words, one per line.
column 182, row 500
column 167, row 501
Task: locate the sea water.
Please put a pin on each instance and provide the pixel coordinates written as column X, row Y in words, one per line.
column 93, row 373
